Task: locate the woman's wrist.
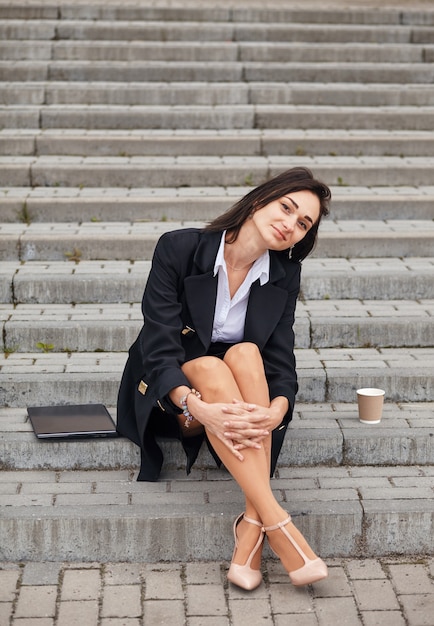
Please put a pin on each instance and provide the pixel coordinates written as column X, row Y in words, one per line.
column 176, row 393
column 183, row 401
column 279, row 407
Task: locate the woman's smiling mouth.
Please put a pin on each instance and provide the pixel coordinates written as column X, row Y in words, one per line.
column 280, row 233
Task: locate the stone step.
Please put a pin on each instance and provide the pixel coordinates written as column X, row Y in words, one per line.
column 185, row 171
column 325, row 78
column 28, row 29
column 329, row 117
column 397, row 14
column 123, row 281
column 217, row 93
column 325, row 375
column 318, row 324
column 319, row 434
column 247, row 143
column 206, row 31
column 219, row 117
column 137, row 71
column 123, row 240
column 19, row 50
column 81, row 204
column 108, row 516
column 281, row 52
column 367, row 279
column 56, row 353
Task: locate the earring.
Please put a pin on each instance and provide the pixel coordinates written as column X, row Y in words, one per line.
column 290, row 252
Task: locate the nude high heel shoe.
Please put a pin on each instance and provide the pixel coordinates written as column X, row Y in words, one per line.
column 243, row 575
column 312, row 571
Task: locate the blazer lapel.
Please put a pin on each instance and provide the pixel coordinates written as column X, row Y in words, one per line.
column 201, row 293
column 201, row 287
column 266, row 306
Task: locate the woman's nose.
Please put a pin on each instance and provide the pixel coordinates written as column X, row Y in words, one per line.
column 290, row 222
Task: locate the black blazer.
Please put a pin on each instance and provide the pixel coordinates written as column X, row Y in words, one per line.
column 178, row 308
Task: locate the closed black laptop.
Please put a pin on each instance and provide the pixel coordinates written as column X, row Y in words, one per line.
column 72, row 421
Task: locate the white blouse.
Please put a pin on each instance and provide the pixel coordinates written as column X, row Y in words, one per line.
column 230, row 314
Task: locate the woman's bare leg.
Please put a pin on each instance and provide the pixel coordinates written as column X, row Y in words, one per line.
column 246, row 363
column 218, row 384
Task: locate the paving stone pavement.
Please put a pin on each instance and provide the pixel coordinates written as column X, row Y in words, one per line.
column 370, row 592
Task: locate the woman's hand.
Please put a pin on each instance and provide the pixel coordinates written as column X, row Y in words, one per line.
column 214, row 417
column 247, row 421
column 260, row 422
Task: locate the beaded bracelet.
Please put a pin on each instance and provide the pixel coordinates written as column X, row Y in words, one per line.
column 183, row 402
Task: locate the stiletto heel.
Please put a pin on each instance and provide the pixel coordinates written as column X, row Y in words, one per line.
column 243, row 575
column 312, row 570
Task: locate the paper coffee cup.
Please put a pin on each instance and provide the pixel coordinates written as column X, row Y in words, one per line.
column 370, row 402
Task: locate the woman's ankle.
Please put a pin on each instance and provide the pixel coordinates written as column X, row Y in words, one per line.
column 247, row 538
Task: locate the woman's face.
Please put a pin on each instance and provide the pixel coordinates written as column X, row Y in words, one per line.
column 284, row 222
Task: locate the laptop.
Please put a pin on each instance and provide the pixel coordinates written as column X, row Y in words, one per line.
column 76, row 421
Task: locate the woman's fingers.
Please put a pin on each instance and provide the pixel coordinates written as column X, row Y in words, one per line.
column 229, row 444
column 247, row 406
column 235, row 411
column 241, row 425
column 226, row 441
column 246, row 435
column 248, row 443
column 237, row 405
column 242, row 430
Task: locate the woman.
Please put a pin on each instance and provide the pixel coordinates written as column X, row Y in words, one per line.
column 214, row 359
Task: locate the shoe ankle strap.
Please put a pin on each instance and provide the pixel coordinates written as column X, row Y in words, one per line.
column 277, row 526
column 252, row 521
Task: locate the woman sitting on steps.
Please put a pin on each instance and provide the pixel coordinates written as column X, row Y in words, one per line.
column 214, row 359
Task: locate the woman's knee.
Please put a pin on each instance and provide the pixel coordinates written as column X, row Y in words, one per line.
column 208, row 374
column 243, row 353
column 204, row 365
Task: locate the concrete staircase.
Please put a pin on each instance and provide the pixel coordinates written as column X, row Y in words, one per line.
column 119, row 122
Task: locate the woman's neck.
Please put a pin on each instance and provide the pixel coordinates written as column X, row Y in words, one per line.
column 243, row 252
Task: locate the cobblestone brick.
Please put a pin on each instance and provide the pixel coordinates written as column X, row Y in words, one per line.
column 73, row 613
column 410, row 579
column 164, row 611
column 80, row 584
column 375, row 595
column 8, row 584
column 36, row 601
column 122, row 601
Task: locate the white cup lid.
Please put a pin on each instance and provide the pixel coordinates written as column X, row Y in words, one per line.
column 371, row 391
